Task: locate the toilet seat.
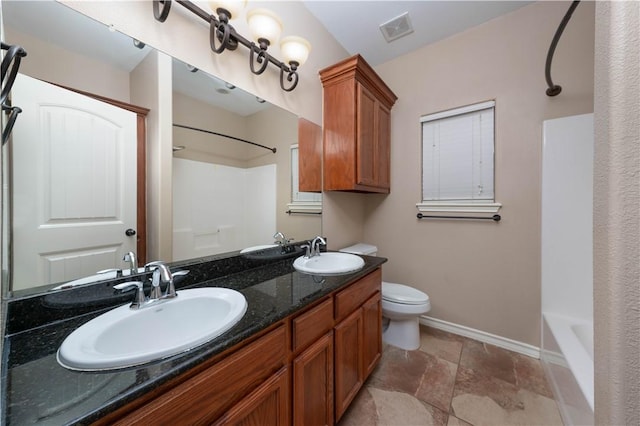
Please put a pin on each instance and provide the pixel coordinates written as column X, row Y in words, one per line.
column 399, row 293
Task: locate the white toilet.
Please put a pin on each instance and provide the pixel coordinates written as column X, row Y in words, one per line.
column 401, row 307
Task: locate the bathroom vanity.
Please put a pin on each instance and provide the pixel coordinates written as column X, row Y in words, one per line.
column 299, row 355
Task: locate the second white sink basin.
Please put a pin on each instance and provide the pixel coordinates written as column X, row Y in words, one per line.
column 124, row 337
column 329, row 264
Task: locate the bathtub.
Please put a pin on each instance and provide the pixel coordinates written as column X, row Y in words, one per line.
column 567, row 357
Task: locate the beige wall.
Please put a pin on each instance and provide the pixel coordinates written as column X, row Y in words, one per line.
column 278, row 128
column 617, row 214
column 148, row 88
column 206, row 147
column 52, row 63
column 482, row 275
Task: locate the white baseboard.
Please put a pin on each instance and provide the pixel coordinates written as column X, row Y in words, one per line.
column 482, row 336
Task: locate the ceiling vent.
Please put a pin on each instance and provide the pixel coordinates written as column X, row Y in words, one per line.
column 399, row 26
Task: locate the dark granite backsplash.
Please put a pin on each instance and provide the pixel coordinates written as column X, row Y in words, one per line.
column 37, row 390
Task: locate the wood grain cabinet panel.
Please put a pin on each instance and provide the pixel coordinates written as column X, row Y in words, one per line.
column 268, row 405
column 309, row 156
column 351, row 298
column 348, row 361
column 372, row 333
column 313, row 384
column 311, row 325
column 356, row 127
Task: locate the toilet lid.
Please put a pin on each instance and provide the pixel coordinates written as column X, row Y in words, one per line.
column 400, row 293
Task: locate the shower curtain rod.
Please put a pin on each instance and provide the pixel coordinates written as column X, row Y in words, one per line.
column 224, row 136
column 555, row 89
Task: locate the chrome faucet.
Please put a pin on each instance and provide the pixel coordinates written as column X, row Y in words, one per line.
column 133, row 262
column 315, row 246
column 162, row 275
column 281, row 240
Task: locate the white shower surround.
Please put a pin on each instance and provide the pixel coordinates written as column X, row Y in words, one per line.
column 217, row 209
column 567, row 264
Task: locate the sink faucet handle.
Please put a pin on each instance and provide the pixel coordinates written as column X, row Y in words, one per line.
column 152, row 265
column 170, row 291
column 106, row 271
column 308, row 252
column 139, row 298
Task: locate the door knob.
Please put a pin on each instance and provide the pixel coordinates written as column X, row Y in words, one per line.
column 130, row 232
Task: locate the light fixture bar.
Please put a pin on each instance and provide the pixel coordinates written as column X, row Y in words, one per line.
column 161, row 11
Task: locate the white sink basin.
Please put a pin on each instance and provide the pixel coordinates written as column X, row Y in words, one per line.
column 124, row 337
column 329, row 264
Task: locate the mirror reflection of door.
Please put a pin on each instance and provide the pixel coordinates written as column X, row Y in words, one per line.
column 73, row 184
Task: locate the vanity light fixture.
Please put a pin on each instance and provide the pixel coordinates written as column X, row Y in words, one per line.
column 265, row 28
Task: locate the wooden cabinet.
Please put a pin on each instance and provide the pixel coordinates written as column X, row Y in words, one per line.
column 358, row 342
column 356, row 128
column 349, row 377
column 313, row 384
column 309, row 156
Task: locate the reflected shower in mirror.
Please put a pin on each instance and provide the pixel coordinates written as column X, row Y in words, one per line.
column 227, row 194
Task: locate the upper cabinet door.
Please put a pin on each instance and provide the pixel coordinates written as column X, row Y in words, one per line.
column 356, row 128
column 309, row 156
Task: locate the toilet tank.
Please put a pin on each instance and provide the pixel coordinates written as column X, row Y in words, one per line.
column 361, row 248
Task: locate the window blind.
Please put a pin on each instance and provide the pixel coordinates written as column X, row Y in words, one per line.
column 458, row 154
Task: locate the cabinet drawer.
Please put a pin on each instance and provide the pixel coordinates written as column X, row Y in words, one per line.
column 309, row 326
column 207, row 395
column 357, row 293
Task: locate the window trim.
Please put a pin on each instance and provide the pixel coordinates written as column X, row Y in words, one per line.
column 301, row 206
column 460, row 206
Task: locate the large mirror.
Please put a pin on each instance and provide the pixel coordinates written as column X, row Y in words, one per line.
column 66, row 200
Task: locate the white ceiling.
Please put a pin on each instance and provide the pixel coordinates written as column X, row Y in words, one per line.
column 355, row 24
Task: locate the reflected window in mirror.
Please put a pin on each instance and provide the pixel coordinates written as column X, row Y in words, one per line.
column 302, row 202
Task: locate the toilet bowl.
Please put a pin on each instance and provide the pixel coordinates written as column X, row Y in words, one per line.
column 401, row 307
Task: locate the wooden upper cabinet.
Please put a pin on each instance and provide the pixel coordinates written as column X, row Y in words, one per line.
column 356, row 128
column 309, row 156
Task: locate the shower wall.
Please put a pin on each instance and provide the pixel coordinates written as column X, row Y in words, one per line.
column 217, row 209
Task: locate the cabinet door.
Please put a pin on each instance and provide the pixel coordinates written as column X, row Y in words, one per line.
column 309, row 156
column 366, row 149
column 267, row 405
column 383, row 147
column 313, row 384
column 348, row 361
column 372, row 333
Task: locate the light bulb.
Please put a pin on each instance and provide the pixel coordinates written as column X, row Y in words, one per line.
column 264, row 24
column 234, row 7
column 295, row 49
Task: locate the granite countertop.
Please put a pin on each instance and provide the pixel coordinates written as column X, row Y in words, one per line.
column 37, row 390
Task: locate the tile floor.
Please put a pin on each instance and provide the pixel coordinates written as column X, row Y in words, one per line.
column 452, row 380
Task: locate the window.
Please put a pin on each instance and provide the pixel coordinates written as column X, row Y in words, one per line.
column 457, row 160
column 301, row 202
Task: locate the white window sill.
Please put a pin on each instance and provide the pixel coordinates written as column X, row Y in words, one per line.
column 299, row 207
column 458, row 207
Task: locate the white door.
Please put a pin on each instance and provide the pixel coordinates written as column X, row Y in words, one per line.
column 74, row 184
